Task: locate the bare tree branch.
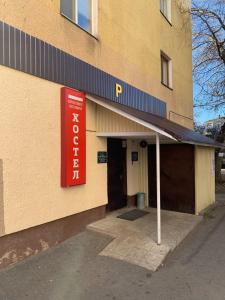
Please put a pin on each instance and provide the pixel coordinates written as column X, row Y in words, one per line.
column 209, row 52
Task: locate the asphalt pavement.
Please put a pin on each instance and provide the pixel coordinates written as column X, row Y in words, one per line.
column 75, row 271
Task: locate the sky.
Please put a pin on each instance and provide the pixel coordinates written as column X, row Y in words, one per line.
column 201, row 114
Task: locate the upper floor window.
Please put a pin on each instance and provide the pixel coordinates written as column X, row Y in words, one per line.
column 81, row 12
column 166, row 70
column 209, row 125
column 165, row 8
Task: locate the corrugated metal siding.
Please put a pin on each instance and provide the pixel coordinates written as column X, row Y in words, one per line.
column 143, row 173
column 108, row 121
column 204, row 178
column 23, row 52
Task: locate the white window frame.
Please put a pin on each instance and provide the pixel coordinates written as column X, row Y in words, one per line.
column 170, row 70
column 168, row 16
column 94, row 16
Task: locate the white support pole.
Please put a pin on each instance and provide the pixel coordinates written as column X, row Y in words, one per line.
column 158, row 190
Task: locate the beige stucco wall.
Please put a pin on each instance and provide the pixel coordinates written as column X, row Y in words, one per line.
column 30, row 192
column 204, row 178
column 130, row 38
column 108, row 121
column 2, row 225
column 132, row 169
column 137, row 172
column 30, row 152
column 143, row 173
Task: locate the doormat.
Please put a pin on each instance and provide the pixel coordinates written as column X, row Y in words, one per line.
column 133, row 214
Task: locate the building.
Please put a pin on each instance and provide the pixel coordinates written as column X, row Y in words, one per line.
column 211, row 127
column 131, row 65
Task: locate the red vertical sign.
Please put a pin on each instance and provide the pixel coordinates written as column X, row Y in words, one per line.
column 73, row 137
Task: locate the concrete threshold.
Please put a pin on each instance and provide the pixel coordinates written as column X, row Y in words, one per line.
column 135, row 241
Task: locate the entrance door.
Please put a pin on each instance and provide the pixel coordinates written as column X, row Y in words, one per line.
column 177, row 177
column 117, row 175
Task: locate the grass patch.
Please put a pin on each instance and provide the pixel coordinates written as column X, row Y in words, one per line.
column 209, row 215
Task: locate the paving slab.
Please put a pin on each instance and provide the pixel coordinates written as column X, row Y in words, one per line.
column 135, row 241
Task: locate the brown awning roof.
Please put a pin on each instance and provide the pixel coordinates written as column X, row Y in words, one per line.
column 176, row 131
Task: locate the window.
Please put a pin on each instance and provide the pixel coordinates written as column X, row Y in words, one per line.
column 210, row 125
column 166, row 70
column 165, row 8
column 81, row 12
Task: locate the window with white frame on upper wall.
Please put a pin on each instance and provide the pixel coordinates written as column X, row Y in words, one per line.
column 165, row 8
column 166, row 70
column 81, row 12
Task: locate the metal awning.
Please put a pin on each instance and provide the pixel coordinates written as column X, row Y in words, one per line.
column 158, row 124
column 161, row 127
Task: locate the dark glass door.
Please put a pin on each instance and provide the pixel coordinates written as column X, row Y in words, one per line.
column 117, row 176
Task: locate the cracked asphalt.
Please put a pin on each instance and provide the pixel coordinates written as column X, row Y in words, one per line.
column 74, row 270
